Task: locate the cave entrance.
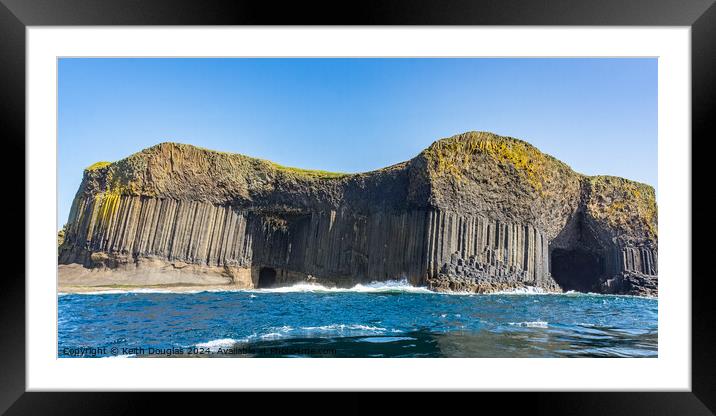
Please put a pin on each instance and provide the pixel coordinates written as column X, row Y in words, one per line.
column 576, row 269
column 267, row 277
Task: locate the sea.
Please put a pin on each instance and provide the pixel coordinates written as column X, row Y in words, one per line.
column 377, row 320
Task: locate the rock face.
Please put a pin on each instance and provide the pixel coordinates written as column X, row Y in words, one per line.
column 476, row 212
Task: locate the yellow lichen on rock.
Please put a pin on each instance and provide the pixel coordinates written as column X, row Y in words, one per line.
column 98, row 165
column 108, row 203
column 623, row 203
column 454, row 156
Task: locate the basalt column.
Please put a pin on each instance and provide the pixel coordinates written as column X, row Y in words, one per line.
column 475, row 253
column 475, row 212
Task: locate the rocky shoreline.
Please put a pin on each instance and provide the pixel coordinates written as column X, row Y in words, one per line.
column 475, row 212
column 469, row 275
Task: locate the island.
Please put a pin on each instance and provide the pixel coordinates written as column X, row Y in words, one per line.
column 476, row 212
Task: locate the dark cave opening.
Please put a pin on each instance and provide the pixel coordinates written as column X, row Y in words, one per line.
column 267, row 277
column 576, row 269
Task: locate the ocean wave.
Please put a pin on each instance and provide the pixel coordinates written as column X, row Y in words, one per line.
column 277, row 332
column 290, row 332
column 574, row 293
column 214, row 290
column 342, row 328
column 215, row 344
column 527, row 290
column 531, row 324
column 387, row 286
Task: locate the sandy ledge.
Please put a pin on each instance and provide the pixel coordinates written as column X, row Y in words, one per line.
column 169, row 288
column 153, row 275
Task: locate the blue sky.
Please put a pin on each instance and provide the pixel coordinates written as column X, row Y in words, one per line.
column 352, row 115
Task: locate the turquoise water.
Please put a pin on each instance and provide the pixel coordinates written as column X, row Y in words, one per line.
column 379, row 320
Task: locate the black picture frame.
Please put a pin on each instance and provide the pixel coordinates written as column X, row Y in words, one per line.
column 16, row 15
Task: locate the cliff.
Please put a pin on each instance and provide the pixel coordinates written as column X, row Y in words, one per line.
column 476, row 212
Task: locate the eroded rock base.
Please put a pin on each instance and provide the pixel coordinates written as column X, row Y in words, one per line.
column 632, row 283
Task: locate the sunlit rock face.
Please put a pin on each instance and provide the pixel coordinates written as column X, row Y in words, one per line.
column 476, row 212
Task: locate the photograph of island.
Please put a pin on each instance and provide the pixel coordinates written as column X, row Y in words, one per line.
column 357, row 207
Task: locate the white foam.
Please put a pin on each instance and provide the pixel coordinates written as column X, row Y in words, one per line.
column 323, row 330
column 278, row 332
column 373, row 287
column 388, row 286
column 272, row 335
column 574, row 293
column 218, row 343
column 214, row 290
column 343, row 327
column 527, row 290
column 532, row 324
column 288, row 331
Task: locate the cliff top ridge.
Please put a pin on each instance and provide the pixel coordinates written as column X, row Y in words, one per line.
column 450, row 155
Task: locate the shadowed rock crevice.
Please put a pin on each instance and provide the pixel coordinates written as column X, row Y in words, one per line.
column 267, row 277
column 577, row 269
column 579, row 260
column 476, row 212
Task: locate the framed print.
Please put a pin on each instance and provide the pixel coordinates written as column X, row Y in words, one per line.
column 411, row 197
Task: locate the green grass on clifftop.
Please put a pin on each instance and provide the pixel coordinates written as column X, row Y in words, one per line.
column 299, row 172
column 311, row 173
column 98, row 165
